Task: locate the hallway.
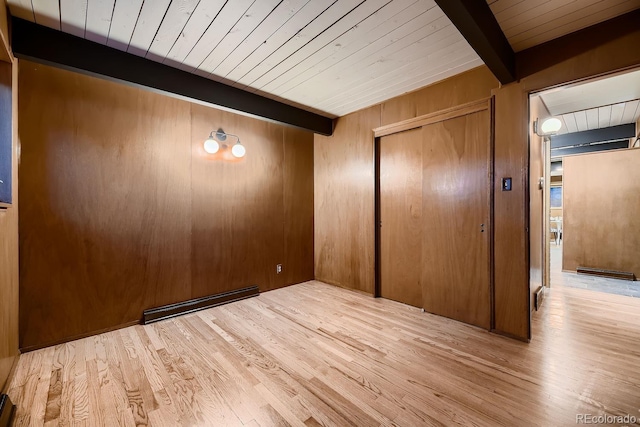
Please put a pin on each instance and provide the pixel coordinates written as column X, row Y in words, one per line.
column 592, row 283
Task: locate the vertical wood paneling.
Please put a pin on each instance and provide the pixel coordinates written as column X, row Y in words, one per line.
column 456, row 215
column 108, row 233
column 9, row 237
column 124, row 210
column 344, row 176
column 576, row 56
column 401, row 216
column 298, row 206
column 511, row 245
column 344, row 202
column 600, row 207
column 237, row 234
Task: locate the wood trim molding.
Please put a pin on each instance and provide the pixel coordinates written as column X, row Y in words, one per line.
column 439, row 116
column 173, row 310
column 6, row 410
column 377, row 292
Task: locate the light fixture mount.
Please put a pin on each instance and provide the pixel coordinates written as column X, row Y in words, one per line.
column 221, row 135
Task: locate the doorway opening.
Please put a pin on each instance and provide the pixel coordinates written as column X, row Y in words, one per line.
column 584, row 187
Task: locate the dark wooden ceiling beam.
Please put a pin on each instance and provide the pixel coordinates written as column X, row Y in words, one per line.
column 478, row 25
column 47, row 46
column 616, row 145
column 612, row 133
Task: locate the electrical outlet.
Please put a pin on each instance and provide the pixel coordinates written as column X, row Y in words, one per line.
column 278, row 268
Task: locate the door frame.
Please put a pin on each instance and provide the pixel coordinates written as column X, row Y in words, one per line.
column 546, row 234
column 417, row 122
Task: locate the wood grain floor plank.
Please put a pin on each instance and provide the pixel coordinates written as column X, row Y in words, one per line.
column 313, row 354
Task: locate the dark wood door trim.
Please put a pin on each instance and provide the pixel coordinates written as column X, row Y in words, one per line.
column 377, row 219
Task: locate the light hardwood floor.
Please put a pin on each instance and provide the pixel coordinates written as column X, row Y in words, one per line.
column 314, row 354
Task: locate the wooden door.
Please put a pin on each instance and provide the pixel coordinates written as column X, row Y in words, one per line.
column 456, row 197
column 401, row 216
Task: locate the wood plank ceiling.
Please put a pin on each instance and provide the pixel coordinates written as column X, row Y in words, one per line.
column 333, row 57
column 527, row 23
column 597, row 104
column 600, row 117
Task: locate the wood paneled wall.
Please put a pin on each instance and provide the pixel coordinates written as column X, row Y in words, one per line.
column 344, row 202
column 344, row 165
column 9, row 237
column 601, row 205
column 571, row 58
column 511, row 213
column 123, row 210
column 344, row 181
column 537, row 215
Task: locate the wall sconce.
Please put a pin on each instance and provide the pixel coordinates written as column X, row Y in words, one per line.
column 547, row 127
column 212, row 146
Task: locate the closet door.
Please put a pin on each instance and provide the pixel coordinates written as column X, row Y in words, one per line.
column 401, row 216
column 455, row 218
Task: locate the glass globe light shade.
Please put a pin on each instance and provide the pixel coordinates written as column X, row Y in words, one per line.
column 551, row 125
column 211, row 146
column 238, row 150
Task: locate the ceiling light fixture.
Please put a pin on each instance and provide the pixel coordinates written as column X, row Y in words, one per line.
column 548, row 126
column 212, row 146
